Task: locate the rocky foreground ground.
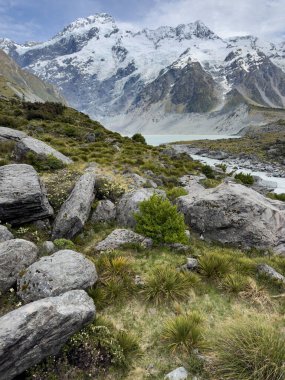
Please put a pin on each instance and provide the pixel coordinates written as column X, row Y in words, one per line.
column 58, row 281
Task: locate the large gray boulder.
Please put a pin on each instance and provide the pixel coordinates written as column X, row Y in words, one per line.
column 22, row 195
column 76, row 209
column 129, row 205
column 119, row 237
column 105, row 212
column 15, row 256
column 56, row 274
column 11, row 134
column 237, row 215
column 5, row 234
column 39, row 148
column 40, row 329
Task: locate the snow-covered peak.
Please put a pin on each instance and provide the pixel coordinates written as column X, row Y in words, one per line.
column 189, row 31
column 82, row 24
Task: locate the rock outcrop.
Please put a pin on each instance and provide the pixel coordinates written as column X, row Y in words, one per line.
column 11, row 134
column 271, row 273
column 22, row 195
column 5, row 234
column 120, row 237
column 129, row 205
column 56, row 274
column 76, row 209
column 39, row 329
column 237, row 215
column 15, row 256
column 40, row 149
column 105, row 212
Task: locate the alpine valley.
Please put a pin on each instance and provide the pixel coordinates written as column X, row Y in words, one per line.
column 183, row 79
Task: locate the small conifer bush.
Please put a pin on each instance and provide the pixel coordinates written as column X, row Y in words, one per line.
column 159, row 219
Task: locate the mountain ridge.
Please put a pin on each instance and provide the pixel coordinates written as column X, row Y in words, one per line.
column 103, row 68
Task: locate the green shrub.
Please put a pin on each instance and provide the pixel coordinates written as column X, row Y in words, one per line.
column 278, row 197
column 44, row 163
column 159, row 219
column 64, row 244
column 176, row 192
column 208, row 171
column 165, row 284
column 246, row 179
column 101, row 344
column 137, row 137
column 249, row 349
column 214, row 265
column 210, row 183
column 183, row 332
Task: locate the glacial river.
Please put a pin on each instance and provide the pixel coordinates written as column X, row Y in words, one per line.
column 164, row 139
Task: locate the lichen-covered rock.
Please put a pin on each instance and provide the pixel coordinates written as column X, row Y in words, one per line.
column 237, row 215
column 129, row 205
column 178, row 374
column 5, row 234
column 105, row 212
column 76, row 209
column 37, row 330
column 120, row 237
column 191, row 265
column 15, row 256
column 22, row 195
column 56, row 274
column 48, row 248
column 39, row 148
column 268, row 271
column 11, row 134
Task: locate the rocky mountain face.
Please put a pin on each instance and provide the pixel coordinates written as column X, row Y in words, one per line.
column 168, row 79
column 15, row 81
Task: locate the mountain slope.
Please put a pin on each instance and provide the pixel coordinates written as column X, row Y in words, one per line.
column 183, row 76
column 15, row 81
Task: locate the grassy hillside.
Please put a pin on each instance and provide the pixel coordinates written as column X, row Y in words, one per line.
column 17, row 82
column 169, row 318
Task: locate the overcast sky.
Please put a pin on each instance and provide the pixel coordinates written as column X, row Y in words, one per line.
column 38, row 20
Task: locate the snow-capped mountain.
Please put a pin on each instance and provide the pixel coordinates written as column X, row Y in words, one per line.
column 171, row 79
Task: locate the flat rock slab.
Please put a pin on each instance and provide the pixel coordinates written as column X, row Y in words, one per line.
column 119, row 237
column 76, row 209
column 236, row 215
column 5, row 234
column 56, row 274
column 15, row 256
column 22, row 195
column 37, row 330
column 129, row 205
column 11, row 134
column 39, row 148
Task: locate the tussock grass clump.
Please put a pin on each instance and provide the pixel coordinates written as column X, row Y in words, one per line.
column 235, row 283
column 249, row 349
column 215, row 265
column 166, row 284
column 160, row 220
column 256, row 295
column 116, row 279
column 184, row 332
